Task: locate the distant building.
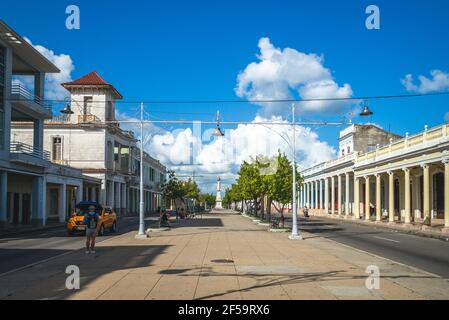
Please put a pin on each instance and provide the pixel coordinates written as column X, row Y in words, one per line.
column 381, row 176
column 33, row 190
column 89, row 141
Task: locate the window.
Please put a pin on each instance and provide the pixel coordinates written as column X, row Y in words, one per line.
column 56, row 154
column 110, row 111
column 349, row 150
column 87, row 107
column 371, row 147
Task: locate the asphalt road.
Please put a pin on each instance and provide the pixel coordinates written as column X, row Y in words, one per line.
column 17, row 251
column 431, row 255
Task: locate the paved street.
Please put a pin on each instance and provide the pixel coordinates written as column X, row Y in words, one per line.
column 24, row 249
column 221, row 256
column 428, row 254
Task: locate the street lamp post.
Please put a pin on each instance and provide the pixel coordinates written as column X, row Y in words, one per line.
column 141, row 205
column 295, row 234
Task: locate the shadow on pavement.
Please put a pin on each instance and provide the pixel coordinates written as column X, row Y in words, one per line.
column 264, row 280
column 47, row 281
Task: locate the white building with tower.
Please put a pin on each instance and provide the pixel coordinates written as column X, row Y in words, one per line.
column 33, row 190
column 101, row 149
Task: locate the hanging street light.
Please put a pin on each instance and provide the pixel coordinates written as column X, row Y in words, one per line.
column 67, row 109
column 218, row 132
column 366, row 111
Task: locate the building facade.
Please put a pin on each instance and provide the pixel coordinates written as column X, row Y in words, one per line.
column 91, row 141
column 33, row 190
column 382, row 177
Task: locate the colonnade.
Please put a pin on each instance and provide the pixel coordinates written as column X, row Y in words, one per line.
column 405, row 194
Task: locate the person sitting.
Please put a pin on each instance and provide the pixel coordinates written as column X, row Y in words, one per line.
column 164, row 219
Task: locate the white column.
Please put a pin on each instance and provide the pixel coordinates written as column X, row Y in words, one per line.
column 332, row 195
column 367, row 198
column 391, row 196
column 407, row 195
column 426, row 193
column 118, row 196
column 124, row 203
column 356, row 197
column 39, row 196
column 326, row 195
column 38, row 135
column 339, row 194
column 79, row 193
column 321, row 195
column 62, row 205
column 103, row 191
column 312, row 196
column 347, row 194
column 316, row 194
column 378, row 198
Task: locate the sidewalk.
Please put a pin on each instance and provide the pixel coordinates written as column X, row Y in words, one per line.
column 433, row 231
column 221, row 256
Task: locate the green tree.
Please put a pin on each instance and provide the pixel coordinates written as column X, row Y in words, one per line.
column 172, row 188
column 207, row 198
column 280, row 186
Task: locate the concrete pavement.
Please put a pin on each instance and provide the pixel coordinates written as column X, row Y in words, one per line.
column 221, row 256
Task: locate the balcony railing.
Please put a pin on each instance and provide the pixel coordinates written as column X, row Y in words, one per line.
column 407, row 144
column 88, row 118
column 22, row 148
column 22, row 93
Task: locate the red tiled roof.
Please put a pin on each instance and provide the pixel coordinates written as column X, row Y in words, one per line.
column 92, row 79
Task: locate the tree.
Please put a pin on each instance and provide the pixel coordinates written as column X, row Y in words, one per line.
column 192, row 191
column 207, row 198
column 250, row 183
column 280, row 185
column 172, row 188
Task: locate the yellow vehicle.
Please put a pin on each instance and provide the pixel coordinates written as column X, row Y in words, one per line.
column 107, row 218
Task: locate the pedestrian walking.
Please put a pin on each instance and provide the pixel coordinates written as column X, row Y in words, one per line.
column 91, row 222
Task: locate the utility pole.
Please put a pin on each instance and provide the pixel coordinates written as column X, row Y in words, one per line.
column 295, row 234
column 141, row 207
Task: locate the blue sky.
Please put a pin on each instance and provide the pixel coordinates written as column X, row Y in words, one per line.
column 181, row 50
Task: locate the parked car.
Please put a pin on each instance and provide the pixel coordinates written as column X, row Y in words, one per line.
column 108, row 218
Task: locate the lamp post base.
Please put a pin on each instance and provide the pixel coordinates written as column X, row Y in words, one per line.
column 295, row 237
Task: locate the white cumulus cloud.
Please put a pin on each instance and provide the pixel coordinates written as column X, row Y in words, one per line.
column 53, row 88
column 281, row 74
column 187, row 152
column 438, row 82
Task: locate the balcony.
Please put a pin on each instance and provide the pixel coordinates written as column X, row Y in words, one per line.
column 408, row 145
column 27, row 104
column 24, row 153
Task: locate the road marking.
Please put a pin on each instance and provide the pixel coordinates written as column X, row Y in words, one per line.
column 386, row 239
